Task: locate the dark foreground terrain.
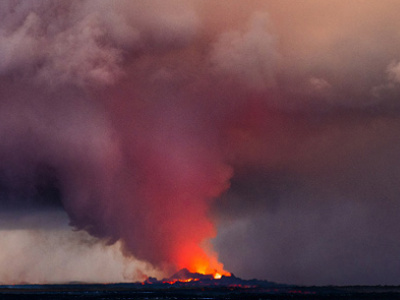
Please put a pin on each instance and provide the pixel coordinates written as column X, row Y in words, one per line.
column 133, row 291
column 187, row 285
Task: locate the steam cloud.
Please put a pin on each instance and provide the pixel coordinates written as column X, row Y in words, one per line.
column 157, row 124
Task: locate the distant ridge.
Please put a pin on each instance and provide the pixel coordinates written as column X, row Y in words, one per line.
column 188, row 279
column 187, row 285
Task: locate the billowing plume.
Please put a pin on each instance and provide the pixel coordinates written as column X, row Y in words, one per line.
column 270, row 126
column 39, row 249
column 130, row 166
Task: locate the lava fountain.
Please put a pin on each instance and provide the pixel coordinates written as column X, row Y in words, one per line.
column 197, row 260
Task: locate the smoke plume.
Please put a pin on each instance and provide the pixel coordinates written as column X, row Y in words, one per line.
column 270, row 126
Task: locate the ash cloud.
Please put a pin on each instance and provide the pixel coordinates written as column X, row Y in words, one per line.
column 249, row 57
column 151, row 122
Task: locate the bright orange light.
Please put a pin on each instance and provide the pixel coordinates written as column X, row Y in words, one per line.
column 181, row 280
column 217, row 276
column 196, row 260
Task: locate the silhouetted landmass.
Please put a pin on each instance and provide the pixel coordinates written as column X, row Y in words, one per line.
column 186, row 285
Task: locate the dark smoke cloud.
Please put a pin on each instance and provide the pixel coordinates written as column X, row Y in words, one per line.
column 330, row 215
column 149, row 122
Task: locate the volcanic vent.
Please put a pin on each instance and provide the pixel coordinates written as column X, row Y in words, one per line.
column 185, row 278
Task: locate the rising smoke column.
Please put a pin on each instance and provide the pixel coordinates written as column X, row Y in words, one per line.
column 131, row 165
column 149, row 122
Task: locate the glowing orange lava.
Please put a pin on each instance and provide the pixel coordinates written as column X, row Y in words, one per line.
column 180, row 280
column 197, row 260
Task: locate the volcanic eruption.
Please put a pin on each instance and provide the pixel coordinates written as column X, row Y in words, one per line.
column 186, row 133
column 133, row 158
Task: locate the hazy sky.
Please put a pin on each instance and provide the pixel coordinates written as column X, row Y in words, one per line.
column 133, row 132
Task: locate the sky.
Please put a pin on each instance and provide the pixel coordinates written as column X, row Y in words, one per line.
column 254, row 137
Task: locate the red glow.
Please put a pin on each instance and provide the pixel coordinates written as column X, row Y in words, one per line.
column 242, row 286
column 180, row 280
column 197, row 260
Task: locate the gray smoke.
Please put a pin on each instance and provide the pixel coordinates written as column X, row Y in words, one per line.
column 276, row 122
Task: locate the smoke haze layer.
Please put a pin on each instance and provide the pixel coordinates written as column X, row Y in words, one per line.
column 270, row 126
